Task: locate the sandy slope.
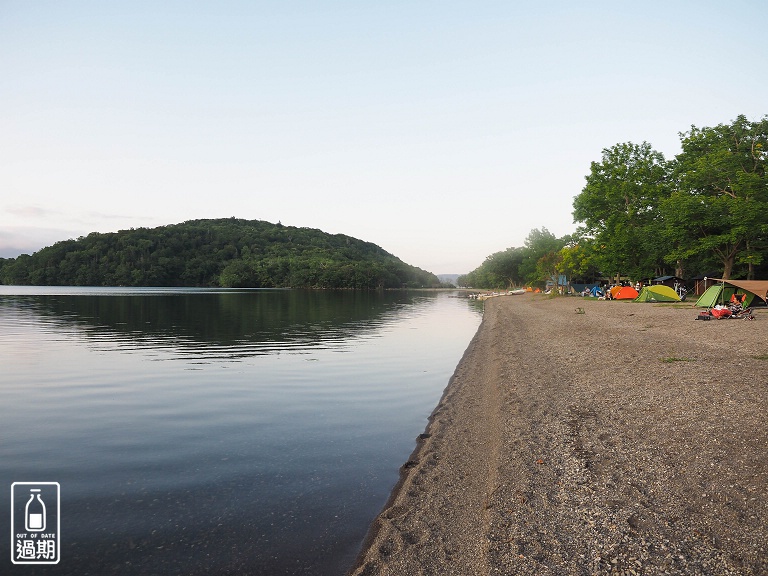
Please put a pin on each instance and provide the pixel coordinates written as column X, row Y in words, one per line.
column 627, row 439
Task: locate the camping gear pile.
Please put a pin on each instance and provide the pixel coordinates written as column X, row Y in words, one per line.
column 720, row 312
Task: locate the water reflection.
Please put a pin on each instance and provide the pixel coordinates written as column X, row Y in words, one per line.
column 231, row 324
column 211, row 432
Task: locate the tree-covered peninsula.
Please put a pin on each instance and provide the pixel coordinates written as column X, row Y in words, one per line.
column 231, row 253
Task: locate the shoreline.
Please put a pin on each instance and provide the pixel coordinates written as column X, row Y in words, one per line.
column 384, row 535
column 624, row 439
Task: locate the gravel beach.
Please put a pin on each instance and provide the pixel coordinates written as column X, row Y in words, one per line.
column 589, row 437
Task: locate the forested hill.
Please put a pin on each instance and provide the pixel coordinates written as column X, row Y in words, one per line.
column 226, row 252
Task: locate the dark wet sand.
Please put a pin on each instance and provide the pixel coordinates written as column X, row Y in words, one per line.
column 628, row 439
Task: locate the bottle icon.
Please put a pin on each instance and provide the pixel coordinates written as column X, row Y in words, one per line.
column 34, row 513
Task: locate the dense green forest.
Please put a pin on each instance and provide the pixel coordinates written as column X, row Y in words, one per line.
column 225, row 252
column 705, row 212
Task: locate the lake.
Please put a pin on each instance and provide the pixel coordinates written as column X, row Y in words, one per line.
column 197, row 431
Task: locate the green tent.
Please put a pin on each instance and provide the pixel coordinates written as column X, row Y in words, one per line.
column 756, row 290
column 721, row 294
column 657, row 293
column 715, row 294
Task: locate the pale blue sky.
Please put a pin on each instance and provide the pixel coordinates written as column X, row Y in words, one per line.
column 441, row 131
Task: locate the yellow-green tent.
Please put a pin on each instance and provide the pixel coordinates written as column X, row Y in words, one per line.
column 657, row 293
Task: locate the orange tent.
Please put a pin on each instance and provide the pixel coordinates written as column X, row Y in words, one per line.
column 623, row 293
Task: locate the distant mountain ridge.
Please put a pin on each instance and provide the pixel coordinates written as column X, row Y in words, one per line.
column 449, row 278
column 227, row 252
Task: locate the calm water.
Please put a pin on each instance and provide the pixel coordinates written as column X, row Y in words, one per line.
column 217, row 432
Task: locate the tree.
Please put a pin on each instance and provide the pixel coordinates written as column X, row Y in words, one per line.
column 499, row 270
column 576, row 261
column 538, row 244
column 721, row 202
column 619, row 205
column 548, row 267
column 503, row 268
column 516, row 266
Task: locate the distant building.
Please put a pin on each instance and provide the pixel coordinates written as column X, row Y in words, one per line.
column 670, row 281
column 704, row 281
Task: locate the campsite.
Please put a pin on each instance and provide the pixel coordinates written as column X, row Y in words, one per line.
column 719, row 292
column 722, row 299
